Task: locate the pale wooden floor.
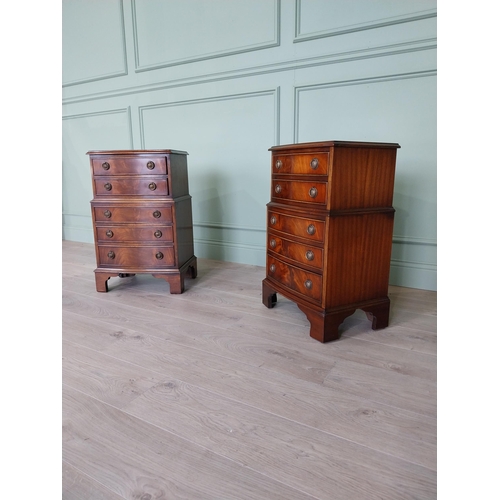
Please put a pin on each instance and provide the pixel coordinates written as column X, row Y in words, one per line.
column 210, row 395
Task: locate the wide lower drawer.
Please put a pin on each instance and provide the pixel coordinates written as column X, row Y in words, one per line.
column 303, row 254
column 136, row 256
column 306, row 283
column 131, row 186
column 307, row 163
column 306, row 191
column 139, row 214
column 307, row 228
column 138, row 165
column 135, row 233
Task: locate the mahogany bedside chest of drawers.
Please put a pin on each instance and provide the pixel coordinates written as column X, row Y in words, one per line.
column 329, row 231
column 141, row 214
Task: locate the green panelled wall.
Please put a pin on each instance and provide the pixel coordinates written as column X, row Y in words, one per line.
column 225, row 80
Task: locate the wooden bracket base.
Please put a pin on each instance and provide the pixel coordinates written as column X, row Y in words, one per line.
column 325, row 323
column 174, row 278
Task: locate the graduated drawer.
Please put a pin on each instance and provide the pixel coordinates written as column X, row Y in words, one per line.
column 311, row 229
column 117, row 165
column 303, row 254
column 307, row 283
column 131, row 186
column 136, row 256
column 308, row 164
column 307, row 191
column 143, row 214
column 135, row 233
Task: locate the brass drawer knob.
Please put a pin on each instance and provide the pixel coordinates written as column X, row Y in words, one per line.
column 105, row 165
column 310, row 255
column 108, row 186
column 278, row 164
column 277, row 189
column 313, row 192
column 111, row 254
column 272, row 268
column 158, row 234
column 156, row 214
column 152, row 186
column 150, row 165
column 107, row 214
column 272, row 243
column 308, row 284
column 159, row 255
column 273, row 220
column 314, row 163
column 311, row 229
column 109, row 233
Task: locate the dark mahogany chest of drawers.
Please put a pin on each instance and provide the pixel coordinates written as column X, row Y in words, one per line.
column 329, row 231
column 141, row 214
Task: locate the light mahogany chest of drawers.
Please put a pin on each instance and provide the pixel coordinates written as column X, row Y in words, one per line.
column 141, row 214
column 329, row 231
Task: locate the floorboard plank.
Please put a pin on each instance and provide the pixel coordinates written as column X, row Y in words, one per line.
column 136, row 459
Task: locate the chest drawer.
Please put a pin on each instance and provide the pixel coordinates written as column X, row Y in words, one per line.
column 309, row 229
column 129, row 165
column 307, row 283
column 133, row 214
column 131, row 186
column 136, row 256
column 301, row 164
column 304, row 191
column 134, row 233
column 303, row 254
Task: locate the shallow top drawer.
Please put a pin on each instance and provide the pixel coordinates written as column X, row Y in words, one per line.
column 132, row 165
column 305, row 164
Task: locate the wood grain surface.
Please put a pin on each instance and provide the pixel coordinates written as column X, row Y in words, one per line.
column 210, row 395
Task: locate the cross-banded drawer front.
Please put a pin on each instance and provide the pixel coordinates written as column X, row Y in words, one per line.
column 129, row 214
column 302, row 254
column 301, row 164
column 307, row 283
column 132, row 165
column 135, row 233
column 136, row 256
column 311, row 229
column 303, row 191
column 131, row 186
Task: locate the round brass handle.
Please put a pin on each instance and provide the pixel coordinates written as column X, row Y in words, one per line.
column 310, row 255
column 109, row 233
column 272, row 268
column 313, row 192
column 156, row 214
column 150, row 165
column 273, row 220
column 111, row 254
column 272, row 243
column 308, row 284
column 278, row 164
column 277, row 189
column 107, row 214
column 159, row 255
column 105, row 165
column 311, row 229
column 158, row 234
column 314, row 163
column 152, row 186
column 108, row 186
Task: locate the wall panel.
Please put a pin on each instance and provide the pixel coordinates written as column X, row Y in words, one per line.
column 94, row 40
column 164, row 30
column 226, row 83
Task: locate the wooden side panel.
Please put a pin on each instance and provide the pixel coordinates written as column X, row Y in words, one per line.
column 359, row 254
column 362, row 177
